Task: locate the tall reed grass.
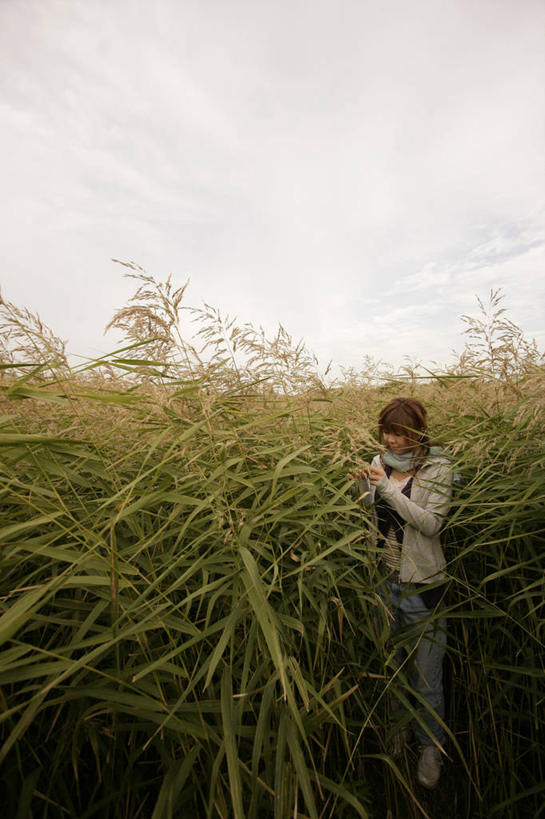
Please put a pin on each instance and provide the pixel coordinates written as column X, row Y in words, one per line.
column 190, row 623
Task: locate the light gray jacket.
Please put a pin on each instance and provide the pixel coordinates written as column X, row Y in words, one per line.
column 422, row 558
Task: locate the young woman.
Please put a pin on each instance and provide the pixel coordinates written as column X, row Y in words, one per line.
column 410, row 486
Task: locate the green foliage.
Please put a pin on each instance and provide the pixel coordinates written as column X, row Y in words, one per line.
column 190, row 623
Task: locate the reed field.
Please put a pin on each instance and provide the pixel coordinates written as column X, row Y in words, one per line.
column 190, row 618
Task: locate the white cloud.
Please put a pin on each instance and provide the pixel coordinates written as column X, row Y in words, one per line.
column 330, row 165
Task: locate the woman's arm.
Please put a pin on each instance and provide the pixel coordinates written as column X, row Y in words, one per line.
column 429, row 519
column 364, row 492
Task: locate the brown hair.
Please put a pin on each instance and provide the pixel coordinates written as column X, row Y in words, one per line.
column 406, row 416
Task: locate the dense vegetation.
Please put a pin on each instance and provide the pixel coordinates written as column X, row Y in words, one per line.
column 189, row 617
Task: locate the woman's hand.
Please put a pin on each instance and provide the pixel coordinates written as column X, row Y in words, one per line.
column 375, row 473
column 359, row 474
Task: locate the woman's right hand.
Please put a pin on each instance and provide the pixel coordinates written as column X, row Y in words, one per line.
column 359, row 474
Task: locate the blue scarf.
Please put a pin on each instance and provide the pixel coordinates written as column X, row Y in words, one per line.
column 406, row 461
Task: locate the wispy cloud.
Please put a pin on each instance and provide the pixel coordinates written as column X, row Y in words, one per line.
column 340, row 169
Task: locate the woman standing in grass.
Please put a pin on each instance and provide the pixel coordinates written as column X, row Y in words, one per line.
column 410, row 485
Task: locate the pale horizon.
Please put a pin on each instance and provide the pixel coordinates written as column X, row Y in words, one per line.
column 357, row 173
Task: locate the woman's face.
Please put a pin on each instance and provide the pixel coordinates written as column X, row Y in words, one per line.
column 399, row 444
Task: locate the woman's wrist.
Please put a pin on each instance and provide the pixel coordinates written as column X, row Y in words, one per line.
column 383, row 484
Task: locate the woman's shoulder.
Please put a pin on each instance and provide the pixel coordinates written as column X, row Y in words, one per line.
column 437, row 461
column 438, row 455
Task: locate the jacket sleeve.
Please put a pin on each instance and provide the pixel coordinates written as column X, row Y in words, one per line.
column 426, row 519
column 365, row 493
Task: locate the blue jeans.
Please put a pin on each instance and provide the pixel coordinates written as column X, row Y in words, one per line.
column 421, row 657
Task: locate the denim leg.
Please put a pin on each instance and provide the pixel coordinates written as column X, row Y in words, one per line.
column 428, row 639
column 390, row 595
column 427, row 680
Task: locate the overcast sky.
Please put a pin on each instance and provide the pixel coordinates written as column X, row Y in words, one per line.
column 357, row 171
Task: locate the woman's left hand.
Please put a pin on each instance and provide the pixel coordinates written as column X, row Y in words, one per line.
column 375, row 474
